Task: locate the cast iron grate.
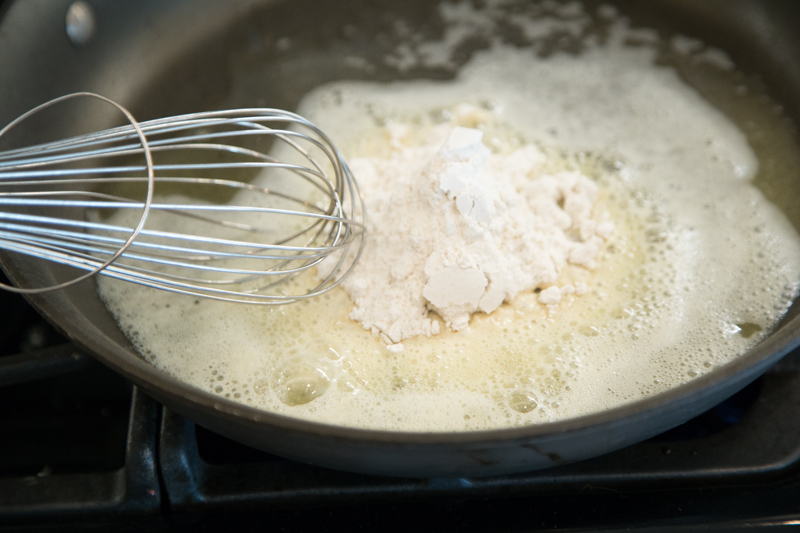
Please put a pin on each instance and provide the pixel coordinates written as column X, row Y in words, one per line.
column 83, row 449
column 78, row 442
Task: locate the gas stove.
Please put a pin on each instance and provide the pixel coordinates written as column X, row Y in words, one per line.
column 82, row 449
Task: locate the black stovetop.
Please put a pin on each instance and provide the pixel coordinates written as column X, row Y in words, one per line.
column 82, row 449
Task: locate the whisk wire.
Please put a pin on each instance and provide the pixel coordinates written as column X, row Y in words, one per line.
column 245, row 249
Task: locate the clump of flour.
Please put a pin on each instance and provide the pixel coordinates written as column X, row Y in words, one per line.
column 457, row 229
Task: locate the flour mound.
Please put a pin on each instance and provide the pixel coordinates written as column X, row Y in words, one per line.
column 457, row 229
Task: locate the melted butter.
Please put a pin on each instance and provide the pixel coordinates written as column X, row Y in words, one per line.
column 699, row 269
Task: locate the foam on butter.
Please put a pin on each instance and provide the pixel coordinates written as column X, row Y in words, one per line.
column 700, row 265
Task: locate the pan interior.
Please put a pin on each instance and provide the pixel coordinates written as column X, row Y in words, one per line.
column 288, row 64
column 267, row 56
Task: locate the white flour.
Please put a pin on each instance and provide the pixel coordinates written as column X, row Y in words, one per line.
column 457, row 229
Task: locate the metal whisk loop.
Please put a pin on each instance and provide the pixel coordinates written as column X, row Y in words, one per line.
column 237, row 204
column 97, row 266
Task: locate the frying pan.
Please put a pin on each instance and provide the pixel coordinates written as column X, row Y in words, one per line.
column 166, row 57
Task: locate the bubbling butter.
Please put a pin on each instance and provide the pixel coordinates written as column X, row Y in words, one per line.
column 699, row 268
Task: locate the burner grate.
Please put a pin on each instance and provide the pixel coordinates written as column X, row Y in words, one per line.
column 82, row 448
column 78, row 446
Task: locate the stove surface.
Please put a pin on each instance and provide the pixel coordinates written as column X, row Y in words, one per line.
column 83, row 449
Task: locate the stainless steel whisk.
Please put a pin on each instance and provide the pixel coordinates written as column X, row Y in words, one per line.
column 86, row 201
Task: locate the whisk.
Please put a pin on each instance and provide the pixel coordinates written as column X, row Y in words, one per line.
column 163, row 204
